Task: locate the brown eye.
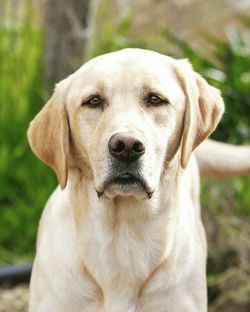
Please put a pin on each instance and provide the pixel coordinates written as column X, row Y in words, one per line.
column 94, row 101
column 155, row 100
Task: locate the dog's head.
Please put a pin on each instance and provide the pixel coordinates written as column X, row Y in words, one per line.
column 122, row 118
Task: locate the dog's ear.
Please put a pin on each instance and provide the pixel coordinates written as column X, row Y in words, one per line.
column 204, row 108
column 48, row 135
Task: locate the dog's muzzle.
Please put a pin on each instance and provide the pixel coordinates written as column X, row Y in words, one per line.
column 124, row 177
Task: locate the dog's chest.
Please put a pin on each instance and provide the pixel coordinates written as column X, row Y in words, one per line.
column 122, row 257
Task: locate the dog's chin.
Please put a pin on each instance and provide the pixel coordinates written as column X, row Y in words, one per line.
column 125, row 186
column 125, row 190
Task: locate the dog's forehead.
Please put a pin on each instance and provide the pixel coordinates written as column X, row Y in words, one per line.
column 126, row 63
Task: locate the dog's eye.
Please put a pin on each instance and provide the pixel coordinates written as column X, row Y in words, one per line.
column 94, row 101
column 155, row 100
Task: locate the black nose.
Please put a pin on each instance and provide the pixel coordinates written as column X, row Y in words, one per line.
column 124, row 146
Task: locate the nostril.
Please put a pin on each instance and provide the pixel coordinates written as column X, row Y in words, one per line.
column 139, row 147
column 120, row 146
column 116, row 146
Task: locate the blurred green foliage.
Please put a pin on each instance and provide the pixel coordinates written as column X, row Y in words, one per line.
column 25, row 183
column 111, row 39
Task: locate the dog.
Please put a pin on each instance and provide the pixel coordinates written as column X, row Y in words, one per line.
column 123, row 231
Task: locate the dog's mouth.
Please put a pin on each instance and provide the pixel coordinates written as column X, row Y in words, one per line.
column 126, row 179
column 125, row 184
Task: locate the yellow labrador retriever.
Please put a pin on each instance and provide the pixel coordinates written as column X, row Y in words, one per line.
column 123, row 233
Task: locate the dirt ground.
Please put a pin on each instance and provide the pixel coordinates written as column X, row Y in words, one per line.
column 15, row 299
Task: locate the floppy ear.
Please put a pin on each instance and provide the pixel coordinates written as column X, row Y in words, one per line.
column 204, row 108
column 48, row 135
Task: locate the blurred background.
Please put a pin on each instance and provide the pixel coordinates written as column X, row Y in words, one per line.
column 42, row 41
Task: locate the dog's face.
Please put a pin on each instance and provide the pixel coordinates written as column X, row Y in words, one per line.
column 123, row 110
column 122, row 118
